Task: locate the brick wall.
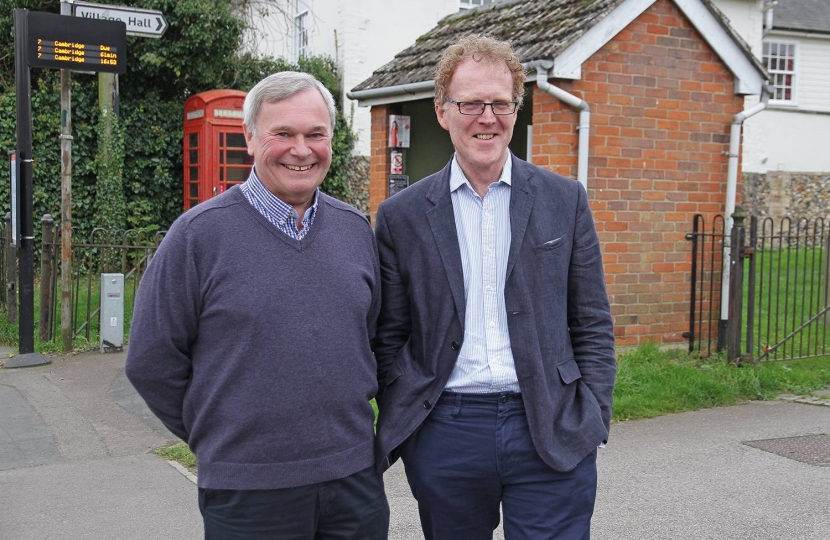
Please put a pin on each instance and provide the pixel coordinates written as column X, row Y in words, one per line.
column 661, row 107
column 379, row 163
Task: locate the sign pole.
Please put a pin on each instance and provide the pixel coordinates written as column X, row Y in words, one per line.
column 26, row 329
column 66, row 200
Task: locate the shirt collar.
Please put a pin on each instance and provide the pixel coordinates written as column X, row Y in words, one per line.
column 458, row 178
column 276, row 207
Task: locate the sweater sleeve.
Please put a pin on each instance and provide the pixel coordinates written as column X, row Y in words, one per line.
column 163, row 329
column 374, row 311
column 394, row 321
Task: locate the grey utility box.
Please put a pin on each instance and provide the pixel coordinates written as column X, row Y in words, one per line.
column 112, row 312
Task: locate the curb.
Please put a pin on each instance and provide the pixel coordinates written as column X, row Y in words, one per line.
column 182, row 469
column 806, row 400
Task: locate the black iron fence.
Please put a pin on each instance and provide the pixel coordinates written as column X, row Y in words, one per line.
column 778, row 302
column 707, row 271
column 788, row 300
column 93, row 253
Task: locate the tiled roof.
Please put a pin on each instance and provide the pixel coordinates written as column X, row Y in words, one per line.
column 537, row 29
column 802, row 15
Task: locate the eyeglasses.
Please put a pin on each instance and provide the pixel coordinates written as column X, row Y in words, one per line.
column 475, row 108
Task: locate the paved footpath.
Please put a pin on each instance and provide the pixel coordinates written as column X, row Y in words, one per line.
column 76, row 463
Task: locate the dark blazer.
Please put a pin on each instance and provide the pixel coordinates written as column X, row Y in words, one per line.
column 559, row 320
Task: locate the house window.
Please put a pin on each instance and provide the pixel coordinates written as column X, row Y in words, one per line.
column 301, row 20
column 470, row 4
column 780, row 61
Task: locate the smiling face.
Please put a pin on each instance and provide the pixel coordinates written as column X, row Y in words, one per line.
column 480, row 141
column 292, row 147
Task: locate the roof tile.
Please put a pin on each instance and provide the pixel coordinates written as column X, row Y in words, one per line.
column 802, row 15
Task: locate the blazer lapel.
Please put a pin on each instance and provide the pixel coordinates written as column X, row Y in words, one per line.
column 442, row 220
column 522, row 195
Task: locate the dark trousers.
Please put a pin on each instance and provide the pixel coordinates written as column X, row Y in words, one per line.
column 351, row 508
column 474, row 452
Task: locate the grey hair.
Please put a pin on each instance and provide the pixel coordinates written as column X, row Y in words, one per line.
column 280, row 86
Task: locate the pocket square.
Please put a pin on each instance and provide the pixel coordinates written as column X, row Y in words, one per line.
column 553, row 242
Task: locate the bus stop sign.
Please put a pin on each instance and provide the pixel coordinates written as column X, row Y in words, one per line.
column 59, row 42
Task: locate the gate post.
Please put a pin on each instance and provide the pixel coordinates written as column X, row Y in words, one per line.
column 827, row 279
column 693, row 236
column 736, row 285
column 750, row 299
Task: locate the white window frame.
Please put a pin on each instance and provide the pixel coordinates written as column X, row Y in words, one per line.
column 301, row 30
column 470, row 4
column 779, row 72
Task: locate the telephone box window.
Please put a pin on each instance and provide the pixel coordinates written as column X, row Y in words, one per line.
column 234, row 161
column 192, row 167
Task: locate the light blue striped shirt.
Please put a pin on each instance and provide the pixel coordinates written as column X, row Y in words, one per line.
column 485, row 362
column 281, row 214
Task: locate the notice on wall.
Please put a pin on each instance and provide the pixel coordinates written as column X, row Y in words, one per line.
column 398, row 131
column 396, row 162
column 397, row 182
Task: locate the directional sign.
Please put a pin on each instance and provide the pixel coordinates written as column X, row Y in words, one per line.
column 140, row 22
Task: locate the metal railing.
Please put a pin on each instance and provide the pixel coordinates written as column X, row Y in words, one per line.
column 788, row 300
column 99, row 251
column 707, row 271
column 779, row 290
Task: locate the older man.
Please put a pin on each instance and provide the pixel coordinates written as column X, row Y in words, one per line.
column 251, row 336
column 495, row 342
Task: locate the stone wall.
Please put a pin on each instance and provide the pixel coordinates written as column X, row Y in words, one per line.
column 777, row 194
column 359, row 183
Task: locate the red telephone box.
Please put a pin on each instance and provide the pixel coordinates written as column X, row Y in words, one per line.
column 215, row 154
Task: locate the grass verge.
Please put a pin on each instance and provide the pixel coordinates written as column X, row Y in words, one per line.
column 653, row 382
column 178, row 452
column 9, row 336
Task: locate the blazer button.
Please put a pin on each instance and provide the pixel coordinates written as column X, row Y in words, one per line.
column 455, row 346
column 427, row 404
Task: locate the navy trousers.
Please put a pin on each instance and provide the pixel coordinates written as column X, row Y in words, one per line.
column 474, row 453
column 351, row 508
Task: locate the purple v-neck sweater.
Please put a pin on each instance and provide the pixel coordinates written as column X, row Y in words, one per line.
column 254, row 347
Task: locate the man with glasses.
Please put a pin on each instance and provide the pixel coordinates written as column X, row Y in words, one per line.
column 495, row 342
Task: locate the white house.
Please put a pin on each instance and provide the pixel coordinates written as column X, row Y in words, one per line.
column 792, row 38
